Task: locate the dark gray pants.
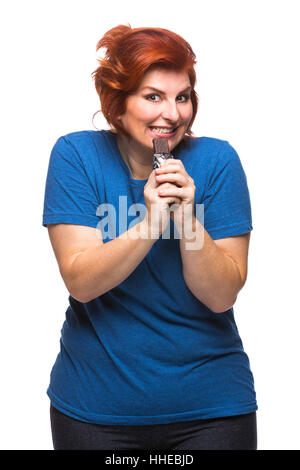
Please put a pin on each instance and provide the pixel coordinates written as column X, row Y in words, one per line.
column 229, row 433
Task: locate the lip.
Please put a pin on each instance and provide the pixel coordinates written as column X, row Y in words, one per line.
column 160, row 134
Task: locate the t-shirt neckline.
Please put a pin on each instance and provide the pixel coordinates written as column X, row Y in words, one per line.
column 113, row 139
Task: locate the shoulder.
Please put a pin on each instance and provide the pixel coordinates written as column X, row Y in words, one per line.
column 208, row 152
column 211, row 146
column 79, row 144
column 79, row 138
column 211, row 142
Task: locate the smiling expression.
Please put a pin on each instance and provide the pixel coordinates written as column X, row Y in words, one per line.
column 160, row 107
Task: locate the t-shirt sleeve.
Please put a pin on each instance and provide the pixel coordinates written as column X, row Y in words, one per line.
column 69, row 196
column 227, row 206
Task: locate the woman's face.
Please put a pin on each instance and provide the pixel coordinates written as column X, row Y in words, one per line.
column 161, row 107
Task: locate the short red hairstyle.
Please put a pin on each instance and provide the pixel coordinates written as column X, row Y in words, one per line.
column 129, row 54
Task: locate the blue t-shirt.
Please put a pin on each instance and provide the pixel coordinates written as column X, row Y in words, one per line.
column 148, row 351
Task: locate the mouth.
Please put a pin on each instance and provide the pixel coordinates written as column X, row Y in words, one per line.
column 163, row 131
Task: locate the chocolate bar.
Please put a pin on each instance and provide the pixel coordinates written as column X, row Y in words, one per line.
column 161, row 151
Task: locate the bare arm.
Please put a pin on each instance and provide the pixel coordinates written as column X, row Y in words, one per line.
column 217, row 271
column 100, row 268
column 88, row 266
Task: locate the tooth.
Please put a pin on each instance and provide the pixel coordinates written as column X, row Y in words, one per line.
column 162, row 130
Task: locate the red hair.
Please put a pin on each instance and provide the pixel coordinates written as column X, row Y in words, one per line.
column 129, row 54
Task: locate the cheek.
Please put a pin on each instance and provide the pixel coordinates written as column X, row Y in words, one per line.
column 135, row 112
column 188, row 113
column 145, row 112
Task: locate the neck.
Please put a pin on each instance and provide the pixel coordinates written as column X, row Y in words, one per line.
column 137, row 158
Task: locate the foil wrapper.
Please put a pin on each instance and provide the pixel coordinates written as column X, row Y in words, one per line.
column 158, row 158
column 161, row 152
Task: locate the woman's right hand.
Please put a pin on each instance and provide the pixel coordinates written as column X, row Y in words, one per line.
column 157, row 207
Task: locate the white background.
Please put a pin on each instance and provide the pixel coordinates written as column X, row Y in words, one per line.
column 248, row 85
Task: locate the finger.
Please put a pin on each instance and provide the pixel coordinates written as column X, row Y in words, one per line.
column 171, row 191
column 178, row 170
column 152, row 180
column 172, row 200
column 173, row 161
column 177, row 178
column 168, row 168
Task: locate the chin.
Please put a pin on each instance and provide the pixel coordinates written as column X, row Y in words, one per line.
column 173, row 140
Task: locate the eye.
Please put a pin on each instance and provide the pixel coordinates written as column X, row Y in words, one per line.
column 152, row 97
column 185, row 98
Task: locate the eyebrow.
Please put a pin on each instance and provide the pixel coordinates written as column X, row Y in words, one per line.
column 160, row 91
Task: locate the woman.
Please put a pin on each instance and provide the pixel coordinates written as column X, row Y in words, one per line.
column 150, row 354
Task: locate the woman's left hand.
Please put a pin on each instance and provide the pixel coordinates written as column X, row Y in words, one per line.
column 175, row 181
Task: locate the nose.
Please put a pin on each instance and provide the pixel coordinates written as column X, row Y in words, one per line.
column 170, row 111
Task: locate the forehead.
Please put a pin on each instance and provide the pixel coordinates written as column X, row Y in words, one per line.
column 158, row 77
